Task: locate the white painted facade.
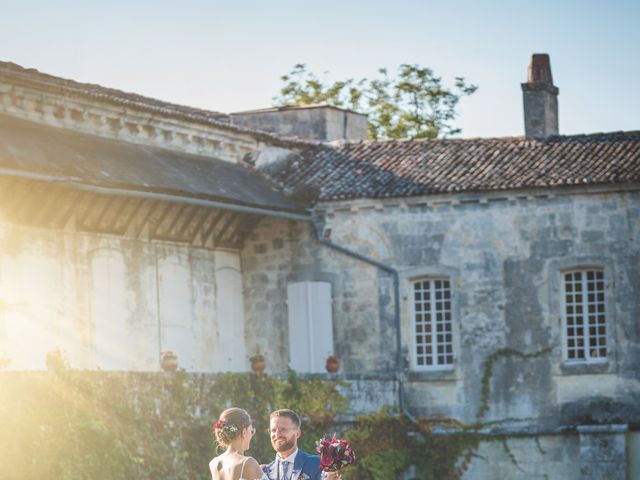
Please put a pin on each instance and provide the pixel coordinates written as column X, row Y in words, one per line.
column 114, row 304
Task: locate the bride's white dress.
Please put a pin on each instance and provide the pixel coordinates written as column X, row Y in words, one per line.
column 263, row 477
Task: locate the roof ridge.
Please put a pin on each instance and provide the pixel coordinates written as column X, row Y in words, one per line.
column 36, row 75
column 517, row 138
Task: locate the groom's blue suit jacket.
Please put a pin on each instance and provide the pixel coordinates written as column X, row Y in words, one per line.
column 305, row 467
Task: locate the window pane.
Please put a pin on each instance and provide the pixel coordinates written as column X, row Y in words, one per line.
column 432, row 312
column 581, row 310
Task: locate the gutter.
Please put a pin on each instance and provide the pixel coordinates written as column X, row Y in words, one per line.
column 194, row 201
column 78, row 185
column 400, row 367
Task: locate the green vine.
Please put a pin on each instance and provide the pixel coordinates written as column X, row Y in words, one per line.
column 485, row 391
column 442, row 447
column 509, row 452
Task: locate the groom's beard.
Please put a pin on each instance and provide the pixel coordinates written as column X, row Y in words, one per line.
column 283, row 447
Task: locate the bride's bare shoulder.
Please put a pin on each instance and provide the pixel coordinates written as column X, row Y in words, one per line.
column 215, row 464
column 252, row 470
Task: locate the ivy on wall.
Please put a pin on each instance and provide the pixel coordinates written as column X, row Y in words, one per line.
column 388, row 443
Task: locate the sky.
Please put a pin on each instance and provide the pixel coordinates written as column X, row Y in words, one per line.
column 229, row 56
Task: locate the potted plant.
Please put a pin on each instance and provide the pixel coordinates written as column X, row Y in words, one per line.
column 333, row 363
column 56, row 361
column 258, row 363
column 4, row 362
column 168, row 361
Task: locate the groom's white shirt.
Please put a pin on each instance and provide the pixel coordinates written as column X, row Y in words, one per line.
column 291, row 458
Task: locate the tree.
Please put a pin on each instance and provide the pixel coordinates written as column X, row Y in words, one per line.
column 414, row 104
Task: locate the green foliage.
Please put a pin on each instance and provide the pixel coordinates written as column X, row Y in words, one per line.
column 386, row 444
column 302, row 87
column 72, row 425
column 321, row 400
column 67, row 424
column 4, row 362
column 414, row 104
column 382, row 446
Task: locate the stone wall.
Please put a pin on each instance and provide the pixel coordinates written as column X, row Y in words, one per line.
column 504, row 255
column 545, row 457
column 279, row 252
column 128, row 123
column 603, row 452
column 318, row 122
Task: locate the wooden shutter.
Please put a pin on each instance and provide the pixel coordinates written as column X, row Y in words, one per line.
column 310, row 325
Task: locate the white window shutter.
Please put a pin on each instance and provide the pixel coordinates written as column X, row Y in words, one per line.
column 310, row 325
column 109, row 311
column 230, row 352
column 175, row 310
column 298, row 326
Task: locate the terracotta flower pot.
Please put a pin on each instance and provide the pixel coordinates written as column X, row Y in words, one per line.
column 169, row 363
column 333, row 364
column 258, row 366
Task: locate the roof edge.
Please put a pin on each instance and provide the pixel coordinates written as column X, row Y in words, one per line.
column 32, row 77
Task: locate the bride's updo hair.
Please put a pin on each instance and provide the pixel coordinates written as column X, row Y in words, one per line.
column 230, row 425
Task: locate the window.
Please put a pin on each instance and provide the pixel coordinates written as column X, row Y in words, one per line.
column 310, row 325
column 432, row 323
column 585, row 318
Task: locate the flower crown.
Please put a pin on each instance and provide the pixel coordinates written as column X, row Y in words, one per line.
column 225, row 426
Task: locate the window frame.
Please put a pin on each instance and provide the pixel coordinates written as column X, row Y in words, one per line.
column 588, row 359
column 412, row 325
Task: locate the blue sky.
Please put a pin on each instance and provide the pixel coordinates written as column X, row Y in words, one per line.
column 228, row 56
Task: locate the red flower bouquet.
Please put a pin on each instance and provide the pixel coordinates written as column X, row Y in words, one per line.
column 335, row 453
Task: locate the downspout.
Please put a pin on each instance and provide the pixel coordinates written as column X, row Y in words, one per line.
column 400, row 367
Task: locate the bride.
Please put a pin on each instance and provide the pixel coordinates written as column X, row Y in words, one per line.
column 233, row 431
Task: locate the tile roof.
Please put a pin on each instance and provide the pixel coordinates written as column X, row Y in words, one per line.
column 98, row 92
column 30, row 76
column 66, row 156
column 404, row 168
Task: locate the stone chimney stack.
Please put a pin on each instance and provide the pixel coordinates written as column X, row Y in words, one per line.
column 540, row 99
column 312, row 122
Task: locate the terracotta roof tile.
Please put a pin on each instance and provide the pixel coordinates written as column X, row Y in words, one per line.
column 13, row 73
column 395, row 168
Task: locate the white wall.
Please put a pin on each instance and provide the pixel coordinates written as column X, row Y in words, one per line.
column 114, row 303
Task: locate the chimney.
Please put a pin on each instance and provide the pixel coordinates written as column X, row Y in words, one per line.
column 312, row 122
column 540, row 99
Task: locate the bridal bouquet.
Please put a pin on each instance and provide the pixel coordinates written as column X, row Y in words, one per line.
column 334, row 453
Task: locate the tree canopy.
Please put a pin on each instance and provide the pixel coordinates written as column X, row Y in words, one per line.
column 412, row 104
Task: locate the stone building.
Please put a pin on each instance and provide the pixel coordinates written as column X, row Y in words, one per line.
column 131, row 226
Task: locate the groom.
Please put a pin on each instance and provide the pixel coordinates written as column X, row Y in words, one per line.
column 291, row 463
